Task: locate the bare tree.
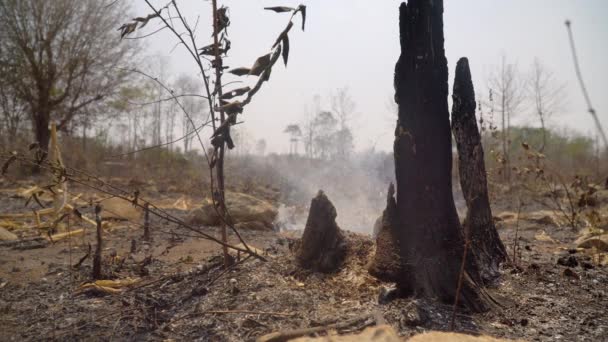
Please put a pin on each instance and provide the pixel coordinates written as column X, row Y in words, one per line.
column 507, row 87
column 309, row 127
column 64, row 56
column 260, row 147
column 188, row 87
column 295, row 133
column 547, row 94
column 324, row 124
column 12, row 110
column 343, row 106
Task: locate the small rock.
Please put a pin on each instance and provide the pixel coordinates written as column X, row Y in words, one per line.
column 524, row 322
column 568, row 261
column 413, row 315
column 587, row 265
column 199, row 291
column 570, row 273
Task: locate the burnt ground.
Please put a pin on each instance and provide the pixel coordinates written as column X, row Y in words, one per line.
column 183, row 293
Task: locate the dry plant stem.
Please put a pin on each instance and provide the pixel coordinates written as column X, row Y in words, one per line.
column 515, row 241
column 147, row 222
column 579, row 75
column 287, row 335
column 98, row 248
column 220, row 163
column 72, row 174
column 460, row 279
column 198, row 61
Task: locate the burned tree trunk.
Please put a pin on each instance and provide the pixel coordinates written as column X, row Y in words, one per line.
column 430, row 240
column 386, row 264
column 486, row 246
column 323, row 247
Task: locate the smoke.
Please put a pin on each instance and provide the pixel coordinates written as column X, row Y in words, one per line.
column 356, row 186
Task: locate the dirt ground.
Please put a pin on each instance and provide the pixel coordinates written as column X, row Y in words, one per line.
column 181, row 291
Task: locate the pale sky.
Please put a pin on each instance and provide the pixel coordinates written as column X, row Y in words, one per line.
column 355, row 44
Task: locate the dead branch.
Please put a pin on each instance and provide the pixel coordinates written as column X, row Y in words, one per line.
column 282, row 336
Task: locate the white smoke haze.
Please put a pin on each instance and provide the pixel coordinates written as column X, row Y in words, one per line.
column 356, row 186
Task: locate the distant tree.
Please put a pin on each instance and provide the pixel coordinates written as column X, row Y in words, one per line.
column 325, row 125
column 188, row 87
column 507, row 87
column 547, row 95
column 295, row 133
column 309, row 128
column 242, row 140
column 62, row 55
column 12, row 110
column 343, row 106
column 260, row 147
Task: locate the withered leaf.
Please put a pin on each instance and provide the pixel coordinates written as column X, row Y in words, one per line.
column 127, row 29
column 302, row 10
column 222, row 18
column 266, row 74
column 285, row 49
column 280, row 9
column 260, row 65
column 209, row 50
column 232, row 107
column 235, row 92
column 240, row 71
column 229, row 142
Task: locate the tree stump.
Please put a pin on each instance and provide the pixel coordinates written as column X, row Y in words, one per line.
column 486, row 246
column 386, row 264
column 429, row 234
column 323, row 247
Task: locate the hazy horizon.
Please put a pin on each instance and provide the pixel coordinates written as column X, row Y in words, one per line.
column 355, row 44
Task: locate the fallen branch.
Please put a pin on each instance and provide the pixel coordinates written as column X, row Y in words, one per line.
column 246, row 312
column 282, row 336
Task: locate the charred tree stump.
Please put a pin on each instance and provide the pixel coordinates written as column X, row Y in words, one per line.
column 97, row 256
column 429, row 232
column 323, row 247
column 386, row 264
column 486, row 246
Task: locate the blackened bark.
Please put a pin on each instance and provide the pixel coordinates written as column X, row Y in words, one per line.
column 429, row 232
column 323, row 247
column 486, row 246
column 386, row 264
